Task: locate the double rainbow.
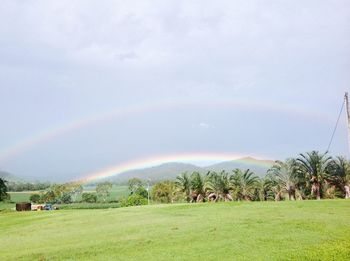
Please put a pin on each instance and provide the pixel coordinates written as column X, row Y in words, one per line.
column 53, row 133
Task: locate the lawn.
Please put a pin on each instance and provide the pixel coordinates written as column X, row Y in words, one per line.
column 309, row 230
column 21, row 196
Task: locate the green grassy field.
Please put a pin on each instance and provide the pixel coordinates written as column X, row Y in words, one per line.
column 15, row 197
column 117, row 192
column 21, row 196
column 309, row 230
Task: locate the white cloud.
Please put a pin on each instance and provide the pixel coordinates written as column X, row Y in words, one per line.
column 204, row 125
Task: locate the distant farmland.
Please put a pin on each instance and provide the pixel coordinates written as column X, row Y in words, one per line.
column 117, row 192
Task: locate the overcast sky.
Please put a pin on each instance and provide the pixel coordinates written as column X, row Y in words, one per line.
column 249, row 77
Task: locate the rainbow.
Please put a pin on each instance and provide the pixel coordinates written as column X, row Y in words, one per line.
column 139, row 109
column 183, row 158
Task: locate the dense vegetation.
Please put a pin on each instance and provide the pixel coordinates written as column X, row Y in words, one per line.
column 18, row 186
column 310, row 176
column 3, row 190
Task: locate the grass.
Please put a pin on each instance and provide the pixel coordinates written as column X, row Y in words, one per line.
column 88, row 206
column 21, row 196
column 15, row 198
column 117, row 192
column 308, row 230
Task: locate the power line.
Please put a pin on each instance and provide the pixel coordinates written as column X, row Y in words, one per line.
column 336, row 125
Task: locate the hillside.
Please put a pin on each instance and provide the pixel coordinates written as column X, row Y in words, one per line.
column 9, row 177
column 259, row 167
column 161, row 172
column 172, row 169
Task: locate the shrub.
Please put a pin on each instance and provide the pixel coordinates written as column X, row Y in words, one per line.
column 66, row 198
column 164, row 192
column 49, row 197
column 142, row 192
column 133, row 200
column 89, row 197
column 35, row 198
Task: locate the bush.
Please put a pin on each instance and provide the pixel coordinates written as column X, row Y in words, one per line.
column 48, row 197
column 66, row 198
column 35, row 198
column 89, row 197
column 133, row 200
column 142, row 192
column 164, row 192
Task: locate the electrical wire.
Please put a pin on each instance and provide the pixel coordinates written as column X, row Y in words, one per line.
column 336, row 126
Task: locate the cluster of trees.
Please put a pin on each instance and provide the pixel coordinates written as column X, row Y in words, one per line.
column 70, row 192
column 312, row 175
column 58, row 193
column 27, row 186
column 138, row 194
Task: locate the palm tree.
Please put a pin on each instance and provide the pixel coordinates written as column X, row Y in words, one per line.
column 244, row 184
column 264, row 187
column 219, row 186
column 197, row 187
column 314, row 166
column 183, row 184
column 285, row 174
column 340, row 175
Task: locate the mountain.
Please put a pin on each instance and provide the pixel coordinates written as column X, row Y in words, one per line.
column 259, row 167
column 161, row 172
column 172, row 169
column 8, row 176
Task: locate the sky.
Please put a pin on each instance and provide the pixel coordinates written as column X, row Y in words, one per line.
column 85, row 85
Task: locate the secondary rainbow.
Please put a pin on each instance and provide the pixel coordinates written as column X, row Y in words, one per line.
column 139, row 109
column 183, row 158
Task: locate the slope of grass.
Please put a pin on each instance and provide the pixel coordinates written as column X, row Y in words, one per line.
column 117, row 192
column 309, row 230
column 15, row 197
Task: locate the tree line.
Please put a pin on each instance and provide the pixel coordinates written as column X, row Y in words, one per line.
column 17, row 186
column 311, row 175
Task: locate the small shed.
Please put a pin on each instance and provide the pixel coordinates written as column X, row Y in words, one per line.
column 23, row 206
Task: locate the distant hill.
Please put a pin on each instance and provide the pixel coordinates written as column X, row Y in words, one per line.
column 9, row 177
column 161, row 172
column 172, row 169
column 259, row 167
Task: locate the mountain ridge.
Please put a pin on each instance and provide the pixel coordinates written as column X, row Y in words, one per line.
column 170, row 170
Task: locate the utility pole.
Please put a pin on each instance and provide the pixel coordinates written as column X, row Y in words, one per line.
column 148, row 183
column 348, row 117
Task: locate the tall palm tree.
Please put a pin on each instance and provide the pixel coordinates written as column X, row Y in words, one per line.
column 314, row 166
column 285, row 174
column 183, row 184
column 264, row 187
column 219, row 186
column 340, row 175
column 197, row 187
column 244, row 184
